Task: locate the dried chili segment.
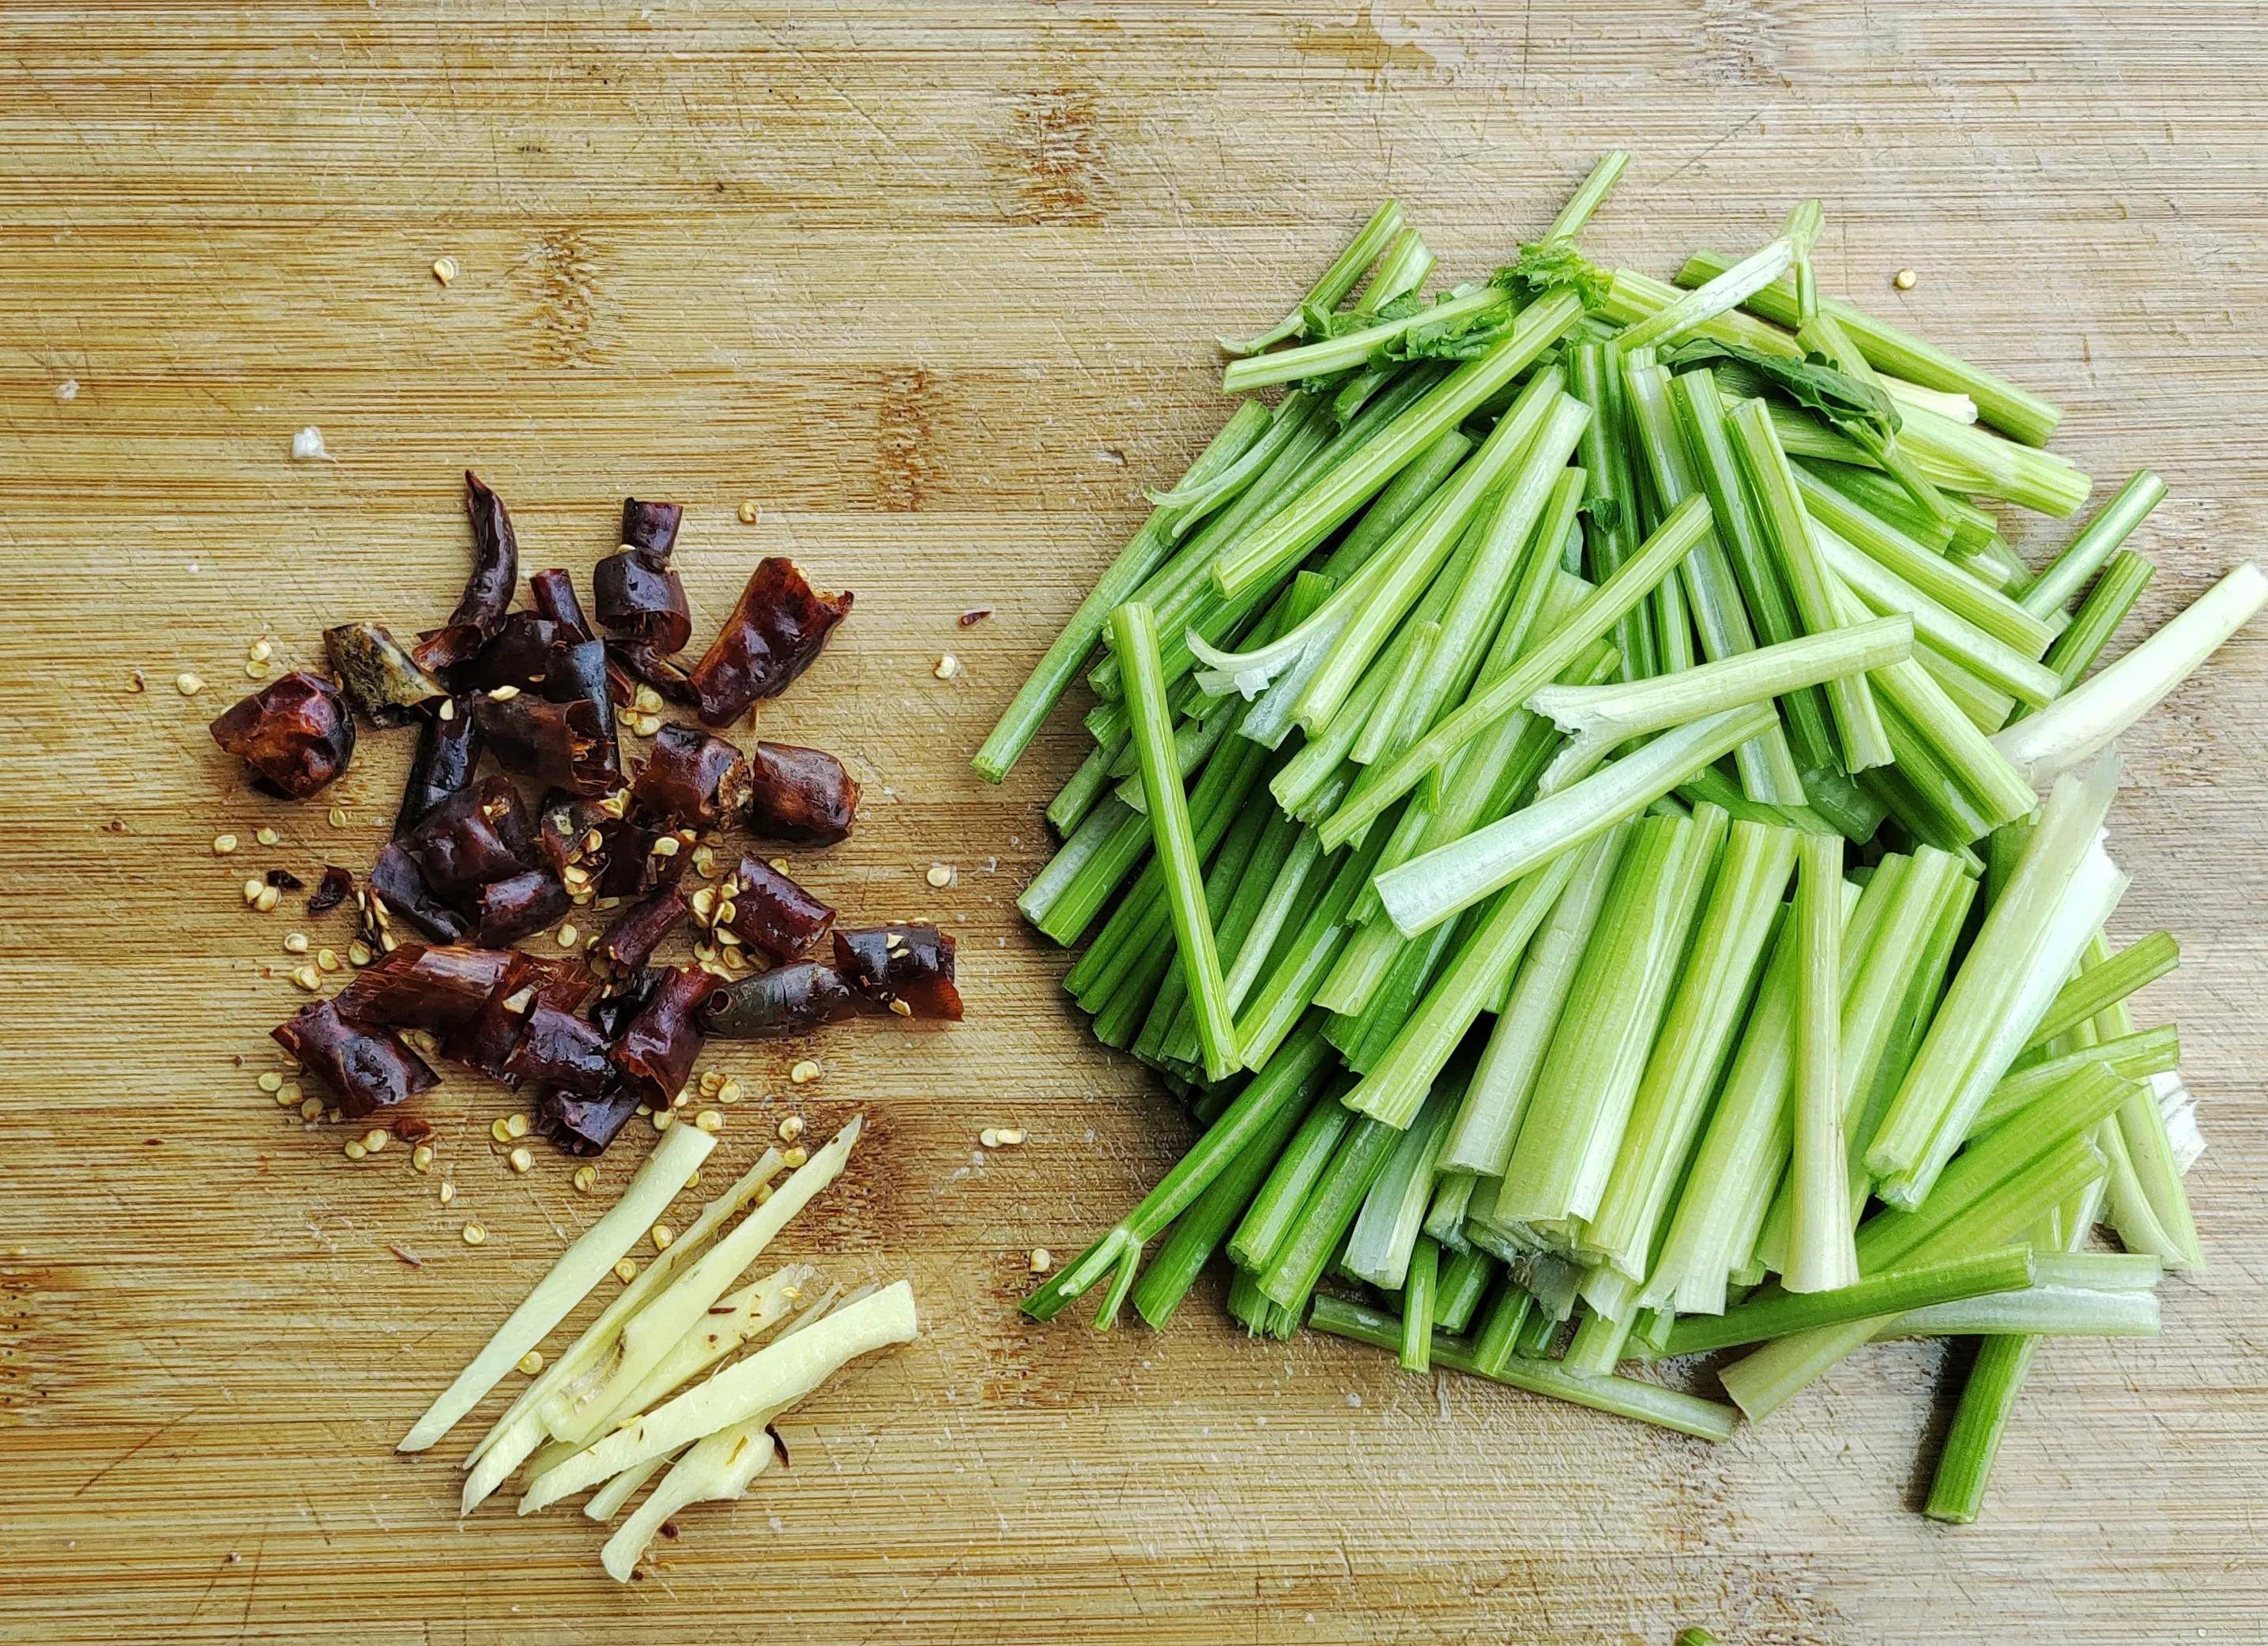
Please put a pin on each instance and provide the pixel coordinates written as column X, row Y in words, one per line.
column 423, row 986
column 400, row 887
column 381, row 681
column 485, row 1042
column 473, row 839
column 631, row 663
column 656, row 1050
column 488, row 587
column 777, row 628
column 637, row 592
column 584, row 1125
column 506, row 911
column 906, row 970
column 691, row 780
column 369, row 1068
column 650, row 528
column 296, row 734
column 639, row 931
column 770, row 912
column 613, row 1011
column 799, row 795
column 448, row 750
column 331, row 890
column 517, row 655
column 568, row 745
column 552, row 593
column 558, row 1048
column 792, row 999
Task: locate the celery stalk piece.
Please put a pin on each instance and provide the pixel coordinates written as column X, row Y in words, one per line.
column 1588, row 196
column 1240, row 878
column 1859, row 727
column 1465, row 1279
column 1289, row 1082
column 1302, row 863
column 1610, row 519
column 2016, row 412
column 1573, row 1127
column 2085, row 719
column 1952, row 457
column 1623, row 1396
column 1193, row 500
column 1596, row 1348
column 1063, row 898
column 1349, row 349
column 1537, row 668
column 1956, row 1490
column 1192, row 743
column 1480, row 1140
column 1891, row 507
column 1395, row 1087
column 1299, row 1262
column 2132, row 1056
column 1275, row 1206
column 776, row 1375
column 1688, row 1058
column 1390, row 511
column 2035, row 1311
column 1822, row 1253
column 1418, row 1306
column 1402, row 269
column 1986, row 707
column 2106, row 979
column 2113, row 524
column 1631, row 297
column 1985, row 988
column 2097, row 620
column 1306, row 960
column 1445, row 1214
column 1725, row 291
column 1889, row 1294
column 1406, row 665
column 1507, row 1312
column 1387, row 1228
column 659, row 1180
column 1276, row 545
column 1198, row 1231
column 1076, row 799
column 1637, row 709
column 1430, row 888
column 1019, row 722
column 1333, row 285
column 1135, row 628
column 1767, row 768
column 1991, row 660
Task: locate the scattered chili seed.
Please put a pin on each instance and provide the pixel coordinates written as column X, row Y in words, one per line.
column 421, row 1158
column 188, row 684
column 253, row 888
column 586, row 1179
column 663, row 1234
column 748, row 512
column 1011, row 1136
column 1903, row 279
column 941, row 875
column 327, row 960
column 791, row 1129
column 448, row 1191
column 295, row 942
column 803, row 1073
column 947, row 666
column 1042, row 1260
column 307, row 978
column 475, row 1234
column 989, row 1138
column 445, row 269
column 567, row 935
column 532, row 1362
column 625, row 1270
column 353, row 1149
column 729, row 1092
column 271, row 1082
column 901, row 1009
column 224, row 844
column 268, row 837
column 794, row 1157
column 136, row 682
column 338, row 817
column 709, row 1121
column 309, row 1109
column 266, row 902
column 254, row 670
column 521, row 1159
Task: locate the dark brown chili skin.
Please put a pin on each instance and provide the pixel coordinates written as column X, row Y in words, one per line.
column 484, row 1043
column 495, row 560
column 380, row 680
column 447, row 753
column 912, row 965
column 639, row 931
column 691, row 780
column 631, row 663
column 637, row 592
column 552, row 592
column 614, row 1011
column 331, row 890
column 792, row 999
column 558, row 1048
column 656, row 1053
column 581, row 1125
column 568, row 745
column 650, row 528
column 418, row 985
column 397, row 881
column 799, row 795
column 771, row 914
column 517, row 655
column 777, row 628
column 506, row 911
column 296, row 734
column 473, row 839
column 576, row 673
column 369, row 1068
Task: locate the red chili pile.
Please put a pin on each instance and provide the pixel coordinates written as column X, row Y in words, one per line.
column 473, row 870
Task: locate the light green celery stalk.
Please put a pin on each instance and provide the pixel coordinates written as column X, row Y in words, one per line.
column 1588, row 196
column 1466, row 1278
column 1445, row 1217
column 2084, row 720
column 1407, row 564
column 1402, row 269
column 2113, row 524
column 2105, row 981
column 1887, row 349
column 1084, row 787
column 1985, row 989
column 2132, row 1056
column 1727, row 291
column 1537, row 667
column 1331, row 1207
column 1767, row 768
column 1135, row 630
column 1821, row 1255
column 1283, row 994
column 1433, row 888
column 1386, row 1229
column 1237, row 883
column 2097, row 620
column 1480, row 1140
column 2145, row 1185
column 1019, row 722
column 1892, row 506
column 1915, row 1286
column 1274, row 1207
column 1859, row 727
column 1397, row 1084
column 1277, row 545
column 1610, row 521
column 1193, row 500
column 1331, row 287
column 1351, row 349
column 1572, row 1131
column 1990, row 659
column 1405, row 664
column 2045, row 1310
column 1688, row 1055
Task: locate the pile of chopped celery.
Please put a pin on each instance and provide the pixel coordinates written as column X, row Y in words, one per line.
column 1607, row 838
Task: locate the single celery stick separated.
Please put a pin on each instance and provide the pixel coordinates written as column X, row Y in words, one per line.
column 1386, row 1232
column 2113, row 524
column 1891, row 1293
column 660, row 1181
column 2084, row 720
column 1135, row 632
column 1538, row 667
column 1858, row 726
column 1331, row 287
column 1821, row 1254
column 1987, row 657
column 1430, row 888
column 2045, row 1310
column 1348, row 349
column 2135, row 1057
column 1688, row 1056
column 2107, row 979
column 1728, row 290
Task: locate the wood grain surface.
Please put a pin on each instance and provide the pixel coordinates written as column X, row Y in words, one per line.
column 934, row 285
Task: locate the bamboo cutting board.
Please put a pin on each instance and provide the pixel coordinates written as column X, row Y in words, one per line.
column 934, row 287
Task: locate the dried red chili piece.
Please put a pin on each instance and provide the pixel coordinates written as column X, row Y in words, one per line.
column 799, row 795
column 637, row 592
column 639, row 931
column 691, row 780
column 488, row 588
column 284, row 880
column 369, row 1068
column 486, row 1041
column 381, row 681
column 331, row 890
column 517, row 655
column 448, row 749
column 792, row 999
column 657, row 1051
column 558, row 1048
column 613, row 1011
column 905, row 970
column 584, row 1125
column 777, row 628
column 473, row 839
column 296, row 734
column 576, row 673
column 421, row 986
column 770, row 913
column 564, row 745
column 505, row 911
column 399, row 885
column 631, row 663
column 552, row 592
